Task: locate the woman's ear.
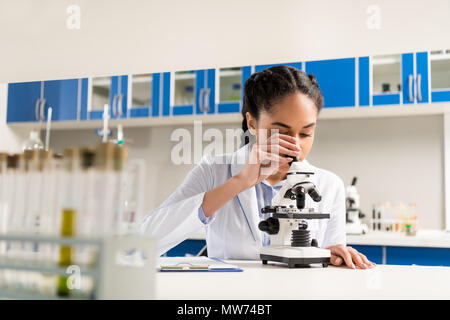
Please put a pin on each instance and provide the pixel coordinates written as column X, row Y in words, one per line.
column 251, row 123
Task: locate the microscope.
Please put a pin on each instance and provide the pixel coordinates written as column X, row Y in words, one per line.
column 290, row 239
column 354, row 215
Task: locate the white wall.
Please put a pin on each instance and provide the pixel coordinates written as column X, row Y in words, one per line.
column 10, row 139
column 134, row 36
column 395, row 159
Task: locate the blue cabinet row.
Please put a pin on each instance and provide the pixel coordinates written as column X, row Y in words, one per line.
column 406, row 255
column 409, row 78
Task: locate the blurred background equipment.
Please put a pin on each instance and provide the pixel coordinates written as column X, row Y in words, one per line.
column 353, row 212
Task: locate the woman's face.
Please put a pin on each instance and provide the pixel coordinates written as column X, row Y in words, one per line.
column 294, row 115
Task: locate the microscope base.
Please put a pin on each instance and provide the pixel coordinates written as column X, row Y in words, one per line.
column 296, row 257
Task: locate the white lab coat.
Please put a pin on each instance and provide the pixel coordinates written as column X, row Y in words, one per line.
column 233, row 231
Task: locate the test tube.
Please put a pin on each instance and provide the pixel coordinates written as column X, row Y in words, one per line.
column 68, row 213
column 86, row 255
column 133, row 194
column 103, row 193
column 32, row 194
column 119, row 219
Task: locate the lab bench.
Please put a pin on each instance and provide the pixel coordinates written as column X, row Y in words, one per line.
column 271, row 281
column 426, row 248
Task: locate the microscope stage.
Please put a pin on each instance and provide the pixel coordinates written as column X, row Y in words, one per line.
column 295, row 256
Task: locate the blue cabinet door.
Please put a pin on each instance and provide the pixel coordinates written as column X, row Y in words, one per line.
column 30, row 101
column 64, row 97
column 230, row 88
column 364, row 81
column 373, row 253
column 418, row 256
column 421, row 79
column 24, row 101
column 336, row 80
column 408, row 87
column 205, row 92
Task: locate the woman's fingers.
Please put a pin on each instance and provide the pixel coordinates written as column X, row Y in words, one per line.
column 344, row 253
column 266, row 158
column 279, row 150
column 363, row 258
column 366, row 261
column 284, row 140
column 357, row 259
column 336, row 260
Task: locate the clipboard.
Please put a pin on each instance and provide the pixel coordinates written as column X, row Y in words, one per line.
column 195, row 264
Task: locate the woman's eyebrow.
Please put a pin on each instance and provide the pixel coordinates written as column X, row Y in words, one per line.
column 281, row 124
column 309, row 125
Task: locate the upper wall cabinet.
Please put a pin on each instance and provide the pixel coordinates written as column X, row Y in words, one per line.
column 144, row 92
column 29, row 101
column 440, row 75
column 393, row 79
column 229, row 88
column 204, row 92
column 111, row 91
column 336, row 80
column 183, row 93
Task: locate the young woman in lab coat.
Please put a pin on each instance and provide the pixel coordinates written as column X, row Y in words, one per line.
column 226, row 193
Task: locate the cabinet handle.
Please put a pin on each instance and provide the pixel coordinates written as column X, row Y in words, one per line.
column 207, row 106
column 419, row 87
column 113, row 107
column 410, row 84
column 200, row 99
column 119, row 105
column 36, row 109
column 41, row 109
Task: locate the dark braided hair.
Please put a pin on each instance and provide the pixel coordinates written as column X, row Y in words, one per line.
column 263, row 89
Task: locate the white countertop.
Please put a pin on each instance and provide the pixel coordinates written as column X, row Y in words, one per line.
column 276, row 282
column 423, row 238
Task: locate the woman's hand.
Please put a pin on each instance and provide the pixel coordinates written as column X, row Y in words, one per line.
column 266, row 157
column 341, row 254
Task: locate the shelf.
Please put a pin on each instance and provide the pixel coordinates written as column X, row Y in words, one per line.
column 16, row 295
column 236, row 118
column 52, row 239
column 46, row 269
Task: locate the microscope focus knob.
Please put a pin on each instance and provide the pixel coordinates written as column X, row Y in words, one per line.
column 271, row 225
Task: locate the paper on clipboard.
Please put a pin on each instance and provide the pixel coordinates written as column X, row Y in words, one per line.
column 194, row 264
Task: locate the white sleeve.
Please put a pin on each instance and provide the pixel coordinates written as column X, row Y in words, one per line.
column 335, row 231
column 177, row 217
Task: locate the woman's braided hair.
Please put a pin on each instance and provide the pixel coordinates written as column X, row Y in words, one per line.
column 263, row 89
